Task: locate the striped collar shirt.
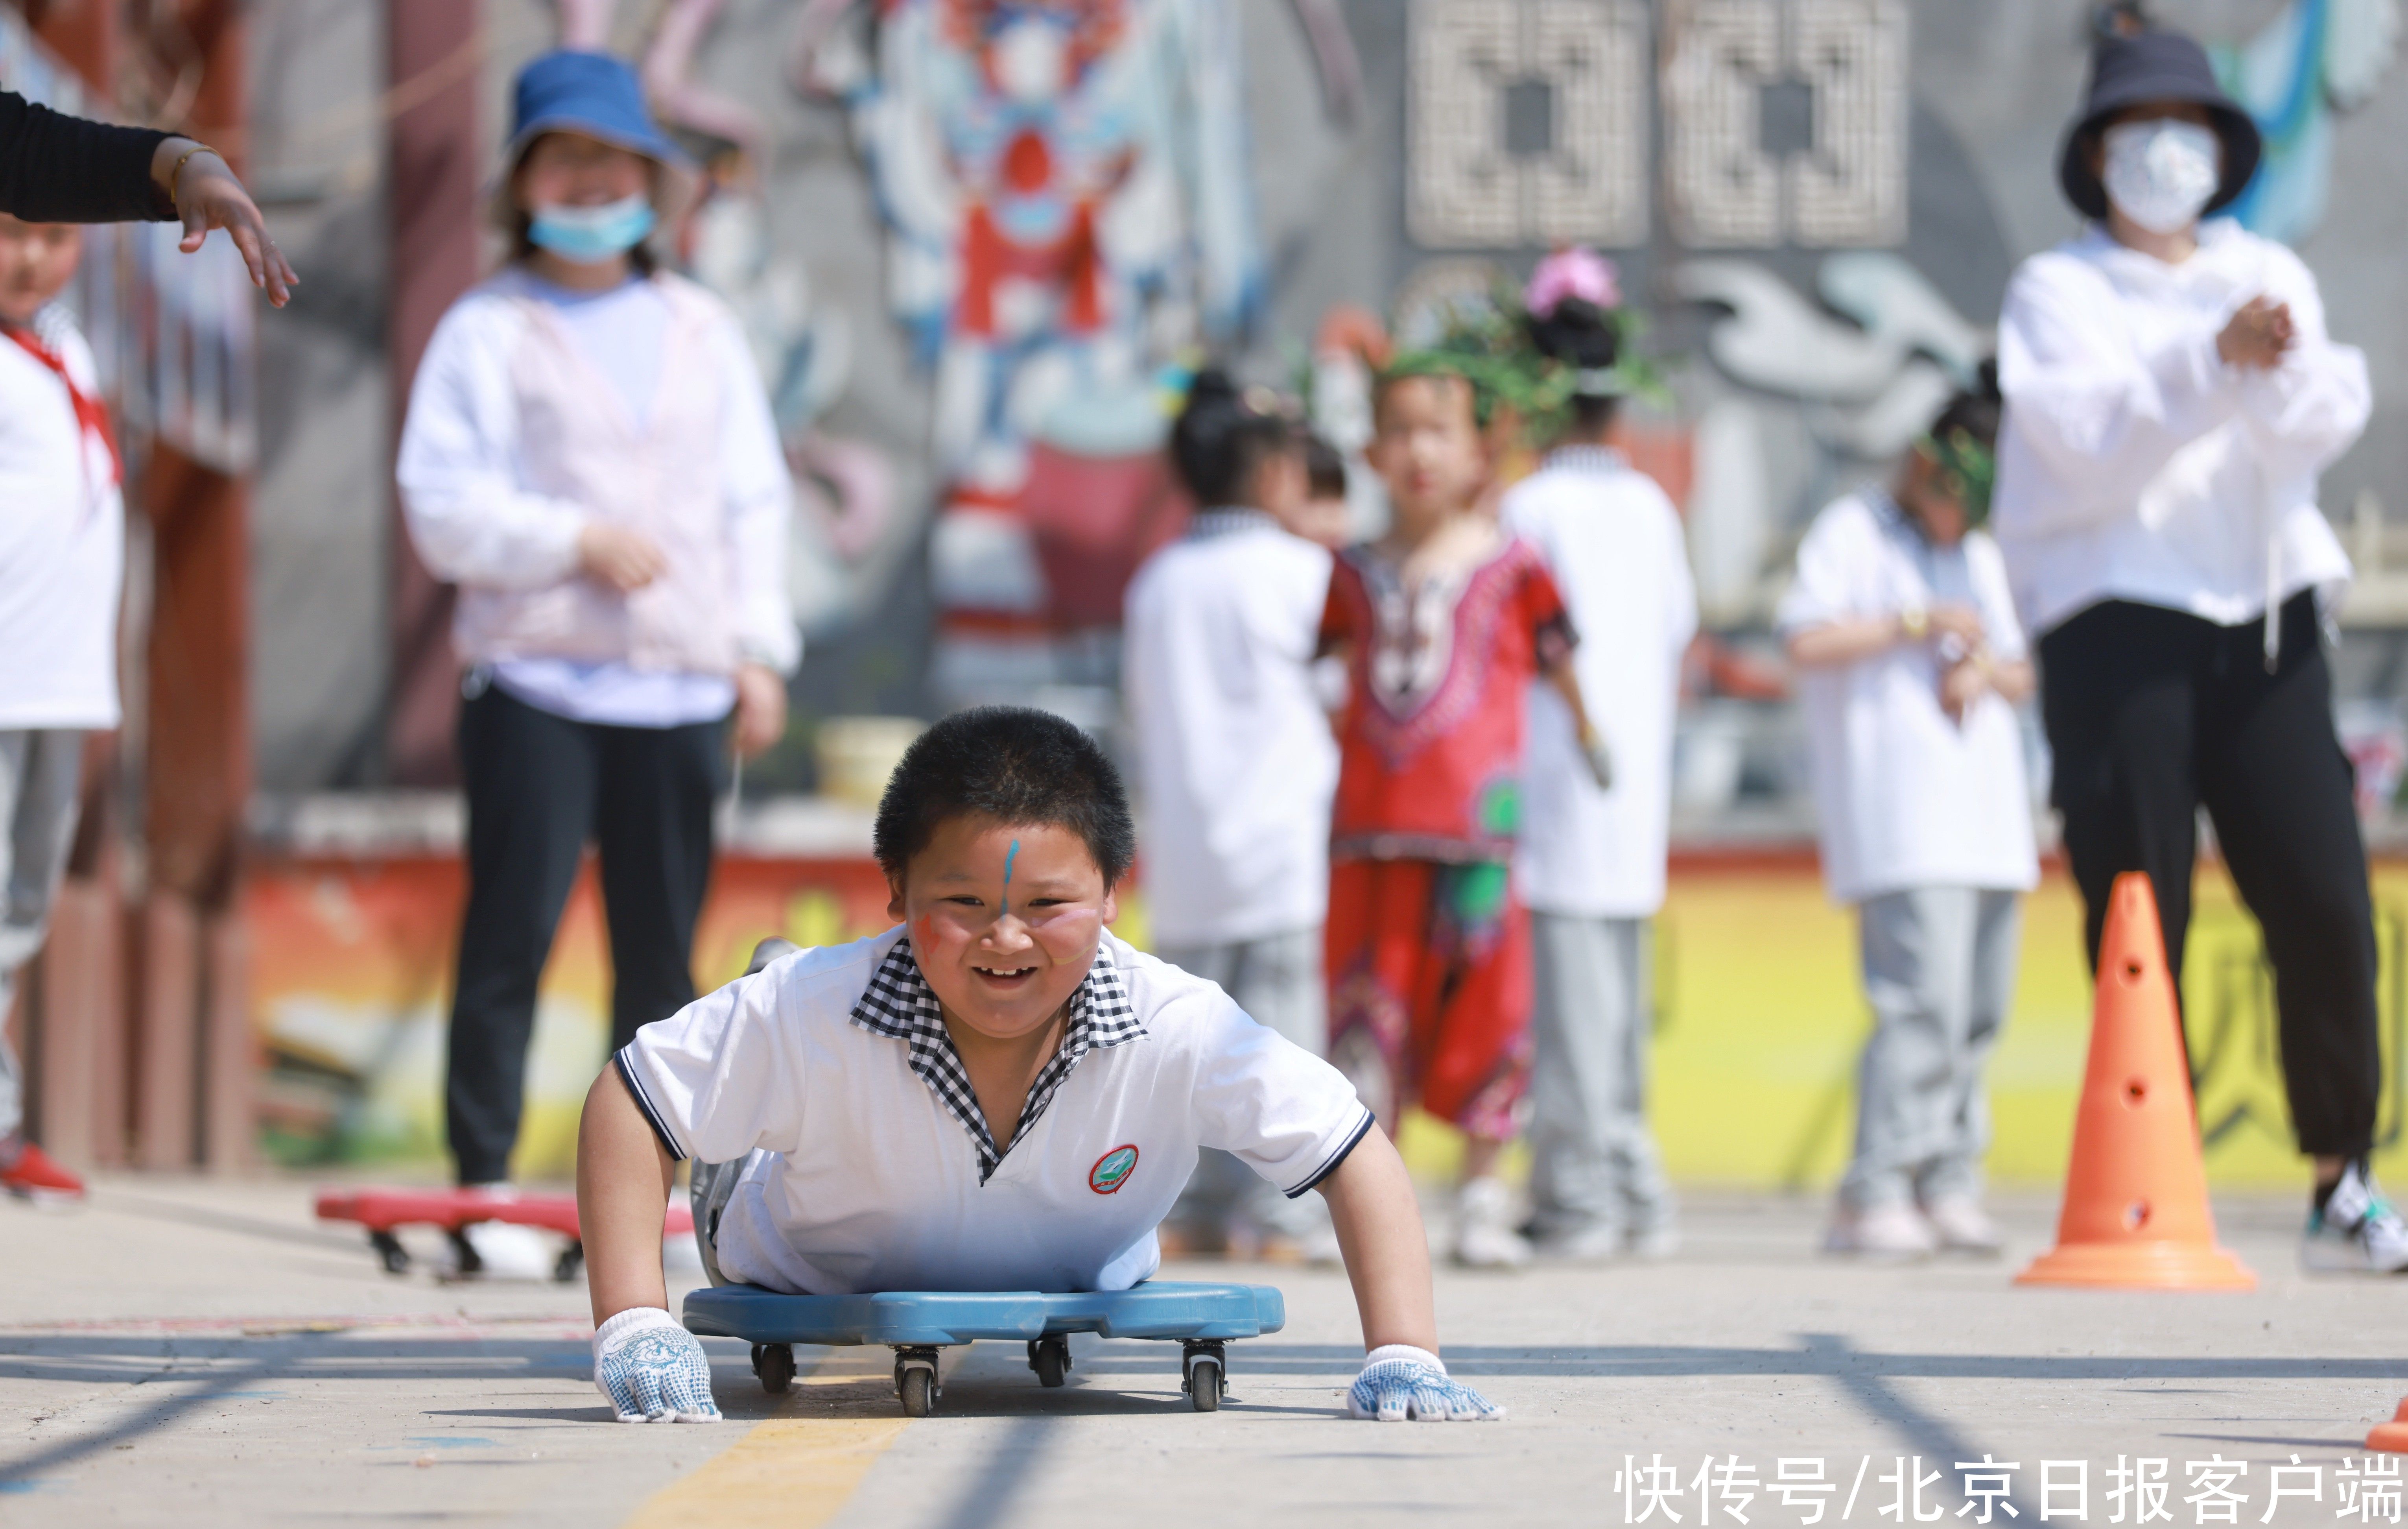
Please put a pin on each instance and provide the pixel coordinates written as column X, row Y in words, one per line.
column 898, row 1003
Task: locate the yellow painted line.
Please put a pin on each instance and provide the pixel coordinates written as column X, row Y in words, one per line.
column 793, row 1473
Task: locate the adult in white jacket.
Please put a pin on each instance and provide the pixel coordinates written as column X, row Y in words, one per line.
column 1591, row 862
column 2171, row 395
column 589, row 456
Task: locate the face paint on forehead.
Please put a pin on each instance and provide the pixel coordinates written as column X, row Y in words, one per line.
column 1008, row 855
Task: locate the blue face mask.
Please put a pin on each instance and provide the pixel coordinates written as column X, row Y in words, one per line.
column 592, row 233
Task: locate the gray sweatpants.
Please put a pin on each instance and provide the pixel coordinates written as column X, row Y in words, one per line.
column 1592, row 1160
column 41, row 779
column 1940, row 973
column 1277, row 980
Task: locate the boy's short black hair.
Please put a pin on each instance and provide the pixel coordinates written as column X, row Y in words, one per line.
column 1016, row 765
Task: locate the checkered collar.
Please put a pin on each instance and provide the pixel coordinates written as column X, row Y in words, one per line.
column 899, row 1003
column 1586, row 459
column 1224, row 520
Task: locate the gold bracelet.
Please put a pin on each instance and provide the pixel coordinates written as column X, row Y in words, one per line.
column 177, row 173
column 1914, row 621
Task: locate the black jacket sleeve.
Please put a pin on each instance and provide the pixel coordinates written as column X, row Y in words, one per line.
column 56, row 168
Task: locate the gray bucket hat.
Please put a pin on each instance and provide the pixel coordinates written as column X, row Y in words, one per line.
column 2155, row 66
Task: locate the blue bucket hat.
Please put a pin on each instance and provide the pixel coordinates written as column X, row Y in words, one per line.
column 598, row 95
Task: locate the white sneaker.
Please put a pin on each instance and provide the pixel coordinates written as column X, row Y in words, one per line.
column 1485, row 1237
column 2356, row 1230
column 1598, row 1242
column 1962, row 1226
column 500, row 1251
column 1890, row 1232
column 1654, row 1243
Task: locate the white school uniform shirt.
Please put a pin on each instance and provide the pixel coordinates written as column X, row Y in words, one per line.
column 62, row 542
column 1908, row 797
column 2134, row 463
column 1614, row 543
column 1236, row 761
column 870, row 1167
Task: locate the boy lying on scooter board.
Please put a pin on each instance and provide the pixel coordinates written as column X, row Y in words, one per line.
column 860, row 1084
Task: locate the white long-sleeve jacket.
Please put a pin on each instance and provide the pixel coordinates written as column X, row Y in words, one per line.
column 2134, row 463
column 514, row 444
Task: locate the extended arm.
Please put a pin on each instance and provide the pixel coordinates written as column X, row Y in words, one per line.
column 623, row 1191
column 57, row 169
column 652, row 1369
column 1378, row 1225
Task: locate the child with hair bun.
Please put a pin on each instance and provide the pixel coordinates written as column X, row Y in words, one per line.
column 1234, row 764
column 1591, row 864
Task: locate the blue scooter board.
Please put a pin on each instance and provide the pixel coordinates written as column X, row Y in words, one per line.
column 1201, row 1318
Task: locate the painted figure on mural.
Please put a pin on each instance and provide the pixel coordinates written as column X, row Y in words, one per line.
column 1066, row 188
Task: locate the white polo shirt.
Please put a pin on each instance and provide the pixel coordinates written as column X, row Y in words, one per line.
column 1614, row 543
column 1236, row 761
column 875, row 1170
column 1908, row 797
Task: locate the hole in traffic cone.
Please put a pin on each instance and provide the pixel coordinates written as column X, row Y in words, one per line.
column 2136, row 1213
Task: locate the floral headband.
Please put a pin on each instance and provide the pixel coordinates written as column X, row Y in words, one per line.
column 1970, row 469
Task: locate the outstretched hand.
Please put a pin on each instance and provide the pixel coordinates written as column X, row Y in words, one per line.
column 209, row 196
column 652, row 1369
column 1400, row 1382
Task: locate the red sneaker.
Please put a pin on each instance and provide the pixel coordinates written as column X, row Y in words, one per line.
column 34, row 1174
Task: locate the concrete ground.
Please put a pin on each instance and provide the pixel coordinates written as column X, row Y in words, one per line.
column 199, row 1353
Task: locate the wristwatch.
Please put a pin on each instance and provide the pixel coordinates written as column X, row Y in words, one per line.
column 1914, row 621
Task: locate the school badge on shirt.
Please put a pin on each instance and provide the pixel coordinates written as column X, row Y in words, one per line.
column 1112, row 1170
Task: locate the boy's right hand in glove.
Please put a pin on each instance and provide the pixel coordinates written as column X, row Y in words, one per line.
column 1401, row 1382
column 652, row 1369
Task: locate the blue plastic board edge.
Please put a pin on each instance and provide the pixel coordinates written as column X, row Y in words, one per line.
column 1164, row 1310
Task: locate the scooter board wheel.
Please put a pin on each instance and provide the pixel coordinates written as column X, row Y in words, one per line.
column 774, row 1362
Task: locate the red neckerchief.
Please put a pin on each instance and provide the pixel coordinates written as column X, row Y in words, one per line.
column 90, row 412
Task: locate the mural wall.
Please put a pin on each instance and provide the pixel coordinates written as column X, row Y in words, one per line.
column 976, row 243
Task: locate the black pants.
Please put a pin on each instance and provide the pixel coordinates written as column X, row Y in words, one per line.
column 538, row 786
column 2153, row 713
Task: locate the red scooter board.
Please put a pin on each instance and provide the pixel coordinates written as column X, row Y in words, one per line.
column 381, row 1211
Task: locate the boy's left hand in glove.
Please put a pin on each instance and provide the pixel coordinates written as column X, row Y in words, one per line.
column 1401, row 1382
column 652, row 1369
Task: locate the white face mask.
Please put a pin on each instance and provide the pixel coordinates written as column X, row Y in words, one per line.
column 2161, row 172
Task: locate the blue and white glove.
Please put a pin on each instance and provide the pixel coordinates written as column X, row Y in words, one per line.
column 1401, row 1382
column 652, row 1369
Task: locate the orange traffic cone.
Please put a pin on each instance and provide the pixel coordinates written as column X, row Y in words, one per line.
column 2392, row 1436
column 2136, row 1212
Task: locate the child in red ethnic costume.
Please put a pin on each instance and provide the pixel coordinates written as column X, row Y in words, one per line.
column 1442, row 624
